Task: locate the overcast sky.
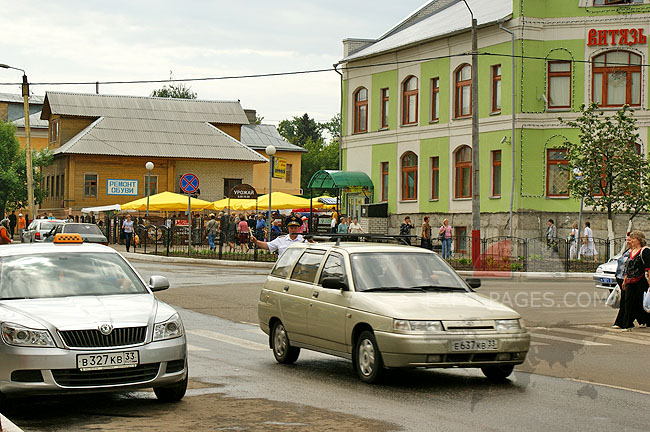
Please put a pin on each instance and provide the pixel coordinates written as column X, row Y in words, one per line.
column 80, row 41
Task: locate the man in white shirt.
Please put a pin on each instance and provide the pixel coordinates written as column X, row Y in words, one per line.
column 281, row 243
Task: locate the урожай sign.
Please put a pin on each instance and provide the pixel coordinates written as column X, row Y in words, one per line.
column 121, row 187
column 243, row 191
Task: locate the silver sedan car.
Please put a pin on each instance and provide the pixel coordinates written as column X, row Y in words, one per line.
column 78, row 318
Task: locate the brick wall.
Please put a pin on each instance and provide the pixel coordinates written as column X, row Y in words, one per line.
column 211, row 175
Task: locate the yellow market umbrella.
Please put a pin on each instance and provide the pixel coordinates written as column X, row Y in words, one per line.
column 165, row 201
column 233, row 204
column 280, row 201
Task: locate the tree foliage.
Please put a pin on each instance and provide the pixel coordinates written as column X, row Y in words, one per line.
column 13, row 172
column 177, row 91
column 305, row 132
column 614, row 176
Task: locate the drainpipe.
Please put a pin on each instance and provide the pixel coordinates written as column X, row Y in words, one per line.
column 512, row 139
column 335, row 65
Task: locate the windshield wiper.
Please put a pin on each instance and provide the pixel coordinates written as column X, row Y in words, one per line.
column 439, row 288
column 393, row 289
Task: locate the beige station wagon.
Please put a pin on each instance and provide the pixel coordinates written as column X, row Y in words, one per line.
column 386, row 306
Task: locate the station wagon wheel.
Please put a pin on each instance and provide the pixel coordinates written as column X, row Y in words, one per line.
column 497, row 372
column 282, row 350
column 367, row 358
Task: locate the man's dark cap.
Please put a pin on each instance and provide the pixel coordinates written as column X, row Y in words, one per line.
column 293, row 221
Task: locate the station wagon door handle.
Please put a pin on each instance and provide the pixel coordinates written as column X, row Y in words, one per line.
column 315, row 294
column 286, row 288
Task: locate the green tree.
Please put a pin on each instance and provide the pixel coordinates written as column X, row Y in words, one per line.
column 178, row 91
column 305, row 132
column 614, row 175
column 13, row 172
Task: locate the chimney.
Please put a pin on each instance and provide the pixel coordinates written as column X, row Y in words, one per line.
column 252, row 115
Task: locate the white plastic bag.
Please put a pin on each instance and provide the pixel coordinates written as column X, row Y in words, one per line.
column 614, row 299
column 646, row 301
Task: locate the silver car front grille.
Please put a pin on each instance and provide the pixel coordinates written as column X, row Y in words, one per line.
column 95, row 339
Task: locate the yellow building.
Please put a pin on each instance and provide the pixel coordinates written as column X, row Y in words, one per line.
column 101, row 144
column 12, row 110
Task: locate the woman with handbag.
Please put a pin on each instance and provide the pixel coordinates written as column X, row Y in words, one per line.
column 620, row 276
column 573, row 241
column 635, row 282
column 444, row 234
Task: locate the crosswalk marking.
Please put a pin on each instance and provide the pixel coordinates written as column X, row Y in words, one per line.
column 243, row 343
column 196, row 348
column 609, row 336
column 563, row 339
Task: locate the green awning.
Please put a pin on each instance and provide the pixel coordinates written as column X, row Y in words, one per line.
column 331, row 179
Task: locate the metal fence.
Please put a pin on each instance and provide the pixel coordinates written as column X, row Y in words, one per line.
column 496, row 253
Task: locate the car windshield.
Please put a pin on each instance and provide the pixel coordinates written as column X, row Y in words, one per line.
column 48, row 225
column 82, row 229
column 396, row 271
column 66, row 274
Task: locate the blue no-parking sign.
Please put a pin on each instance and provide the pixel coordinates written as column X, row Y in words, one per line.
column 189, row 183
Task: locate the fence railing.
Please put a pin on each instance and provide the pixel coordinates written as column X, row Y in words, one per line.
column 496, row 253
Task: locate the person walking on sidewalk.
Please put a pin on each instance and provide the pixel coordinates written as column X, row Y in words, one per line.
column 573, row 241
column 4, row 232
column 22, row 224
column 444, row 233
column 620, row 276
column 588, row 248
column 551, row 236
column 127, row 228
column 212, row 227
column 405, row 229
column 12, row 223
column 637, row 273
column 425, row 242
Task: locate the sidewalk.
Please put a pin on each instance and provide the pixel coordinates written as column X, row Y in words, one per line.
column 465, row 273
column 7, row 426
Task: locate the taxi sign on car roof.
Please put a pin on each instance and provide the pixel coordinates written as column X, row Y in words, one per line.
column 68, row 238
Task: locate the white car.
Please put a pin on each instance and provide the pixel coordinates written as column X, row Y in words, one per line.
column 78, row 318
column 605, row 276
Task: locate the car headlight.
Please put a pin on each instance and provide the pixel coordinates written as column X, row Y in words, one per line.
column 417, row 326
column 508, row 325
column 14, row 334
column 600, row 269
column 172, row 328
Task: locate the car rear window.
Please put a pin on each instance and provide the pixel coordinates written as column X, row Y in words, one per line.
column 48, row 225
column 82, row 229
column 66, row 274
column 307, row 266
column 285, row 262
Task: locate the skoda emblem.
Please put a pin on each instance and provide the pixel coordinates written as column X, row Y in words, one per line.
column 106, row 329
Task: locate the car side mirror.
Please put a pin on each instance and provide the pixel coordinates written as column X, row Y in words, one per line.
column 473, row 282
column 158, row 283
column 334, row 283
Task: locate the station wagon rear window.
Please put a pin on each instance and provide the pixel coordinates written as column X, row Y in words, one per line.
column 307, row 266
column 285, row 262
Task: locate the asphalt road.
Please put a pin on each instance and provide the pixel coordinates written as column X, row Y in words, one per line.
column 579, row 374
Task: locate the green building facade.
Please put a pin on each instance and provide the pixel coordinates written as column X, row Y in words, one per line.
column 406, row 112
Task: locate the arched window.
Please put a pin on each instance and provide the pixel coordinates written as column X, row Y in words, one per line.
column 463, row 172
column 463, row 78
column 361, row 110
column 410, row 101
column 409, row 166
column 616, row 79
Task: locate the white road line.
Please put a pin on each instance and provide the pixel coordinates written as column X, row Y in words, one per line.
column 533, row 343
column 196, row 348
column 608, row 385
column 229, row 339
column 562, row 339
column 605, row 334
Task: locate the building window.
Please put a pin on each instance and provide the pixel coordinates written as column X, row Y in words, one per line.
column 616, row 2
column 496, row 173
column 62, row 186
column 90, row 185
column 559, row 84
column 361, row 110
column 463, row 172
column 435, row 177
column 228, row 184
column 47, row 186
column 410, row 101
column 616, row 79
column 435, row 99
column 384, row 108
column 384, row 181
column 54, row 131
column 288, row 173
column 461, row 239
column 56, row 193
column 496, row 89
column 557, row 173
column 409, row 176
column 463, row 91
column 153, row 185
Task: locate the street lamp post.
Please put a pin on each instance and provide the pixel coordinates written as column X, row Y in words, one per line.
column 28, row 143
column 270, row 151
column 476, row 184
column 149, row 167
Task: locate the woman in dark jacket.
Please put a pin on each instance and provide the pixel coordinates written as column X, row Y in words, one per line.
column 636, row 281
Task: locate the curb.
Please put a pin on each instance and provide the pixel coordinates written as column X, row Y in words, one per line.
column 268, row 265
column 8, row 426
